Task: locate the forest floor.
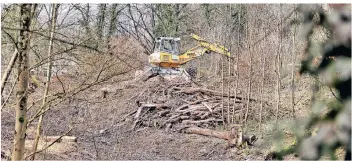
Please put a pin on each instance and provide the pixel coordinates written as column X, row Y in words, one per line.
column 102, row 135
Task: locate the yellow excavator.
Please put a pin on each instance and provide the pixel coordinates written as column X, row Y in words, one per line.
column 167, row 59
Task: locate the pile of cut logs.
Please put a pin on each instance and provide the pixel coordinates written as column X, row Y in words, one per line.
column 187, row 107
column 185, row 104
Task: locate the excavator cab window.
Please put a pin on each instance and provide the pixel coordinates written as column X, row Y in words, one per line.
column 169, row 45
column 177, row 46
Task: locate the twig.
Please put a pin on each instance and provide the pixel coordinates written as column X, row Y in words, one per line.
column 7, row 99
column 96, row 149
column 52, row 143
column 207, row 106
column 333, row 93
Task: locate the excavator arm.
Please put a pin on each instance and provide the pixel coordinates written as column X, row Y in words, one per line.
column 202, row 48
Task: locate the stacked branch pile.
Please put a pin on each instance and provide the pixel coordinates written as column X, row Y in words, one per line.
column 174, row 106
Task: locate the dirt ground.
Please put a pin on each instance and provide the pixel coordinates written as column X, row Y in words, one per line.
column 102, row 135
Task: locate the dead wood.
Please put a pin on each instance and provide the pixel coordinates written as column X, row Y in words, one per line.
column 153, row 105
column 55, row 139
column 192, row 103
column 138, row 95
column 205, row 115
column 207, row 132
column 129, row 114
column 163, row 113
column 138, row 112
column 207, row 106
column 181, row 104
column 60, row 139
column 199, row 121
column 149, row 106
column 192, row 90
column 234, row 136
column 135, row 123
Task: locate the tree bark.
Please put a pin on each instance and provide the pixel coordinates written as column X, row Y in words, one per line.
column 250, row 73
column 261, row 97
column 22, row 88
column 86, row 19
column 222, row 90
column 293, row 69
column 8, row 70
column 229, row 73
column 113, row 21
column 48, row 76
column 278, row 68
column 236, row 66
column 234, row 137
column 100, row 23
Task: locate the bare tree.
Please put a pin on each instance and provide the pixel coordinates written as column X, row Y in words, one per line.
column 101, row 22
column 55, row 8
column 22, row 88
column 229, row 68
column 293, row 62
column 278, row 66
column 113, row 20
column 8, row 70
column 261, row 93
column 222, row 90
column 249, row 31
column 236, row 66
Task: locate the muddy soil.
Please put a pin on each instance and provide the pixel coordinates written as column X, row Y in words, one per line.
column 102, row 135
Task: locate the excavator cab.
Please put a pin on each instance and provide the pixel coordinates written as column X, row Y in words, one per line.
column 168, row 44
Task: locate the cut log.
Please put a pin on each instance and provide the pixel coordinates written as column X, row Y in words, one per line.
column 138, row 113
column 154, row 105
column 234, row 137
column 192, row 103
column 138, row 95
column 207, row 132
column 148, row 105
column 198, row 121
column 205, row 115
column 63, row 139
column 163, row 113
column 206, row 91
column 124, row 117
column 207, row 106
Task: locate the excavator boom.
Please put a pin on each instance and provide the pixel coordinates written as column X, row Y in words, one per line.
column 202, row 47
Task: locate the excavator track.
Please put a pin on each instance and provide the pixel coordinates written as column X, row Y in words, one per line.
column 165, row 72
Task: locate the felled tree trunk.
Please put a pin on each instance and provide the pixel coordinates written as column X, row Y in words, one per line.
column 234, row 137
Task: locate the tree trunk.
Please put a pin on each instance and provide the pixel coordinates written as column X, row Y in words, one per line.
column 262, row 86
column 113, row 21
column 176, row 16
column 222, row 90
column 236, row 66
column 100, row 23
column 8, row 70
column 55, row 8
column 86, row 20
column 261, row 97
column 22, row 88
column 293, row 62
column 229, row 74
column 249, row 75
column 278, row 70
